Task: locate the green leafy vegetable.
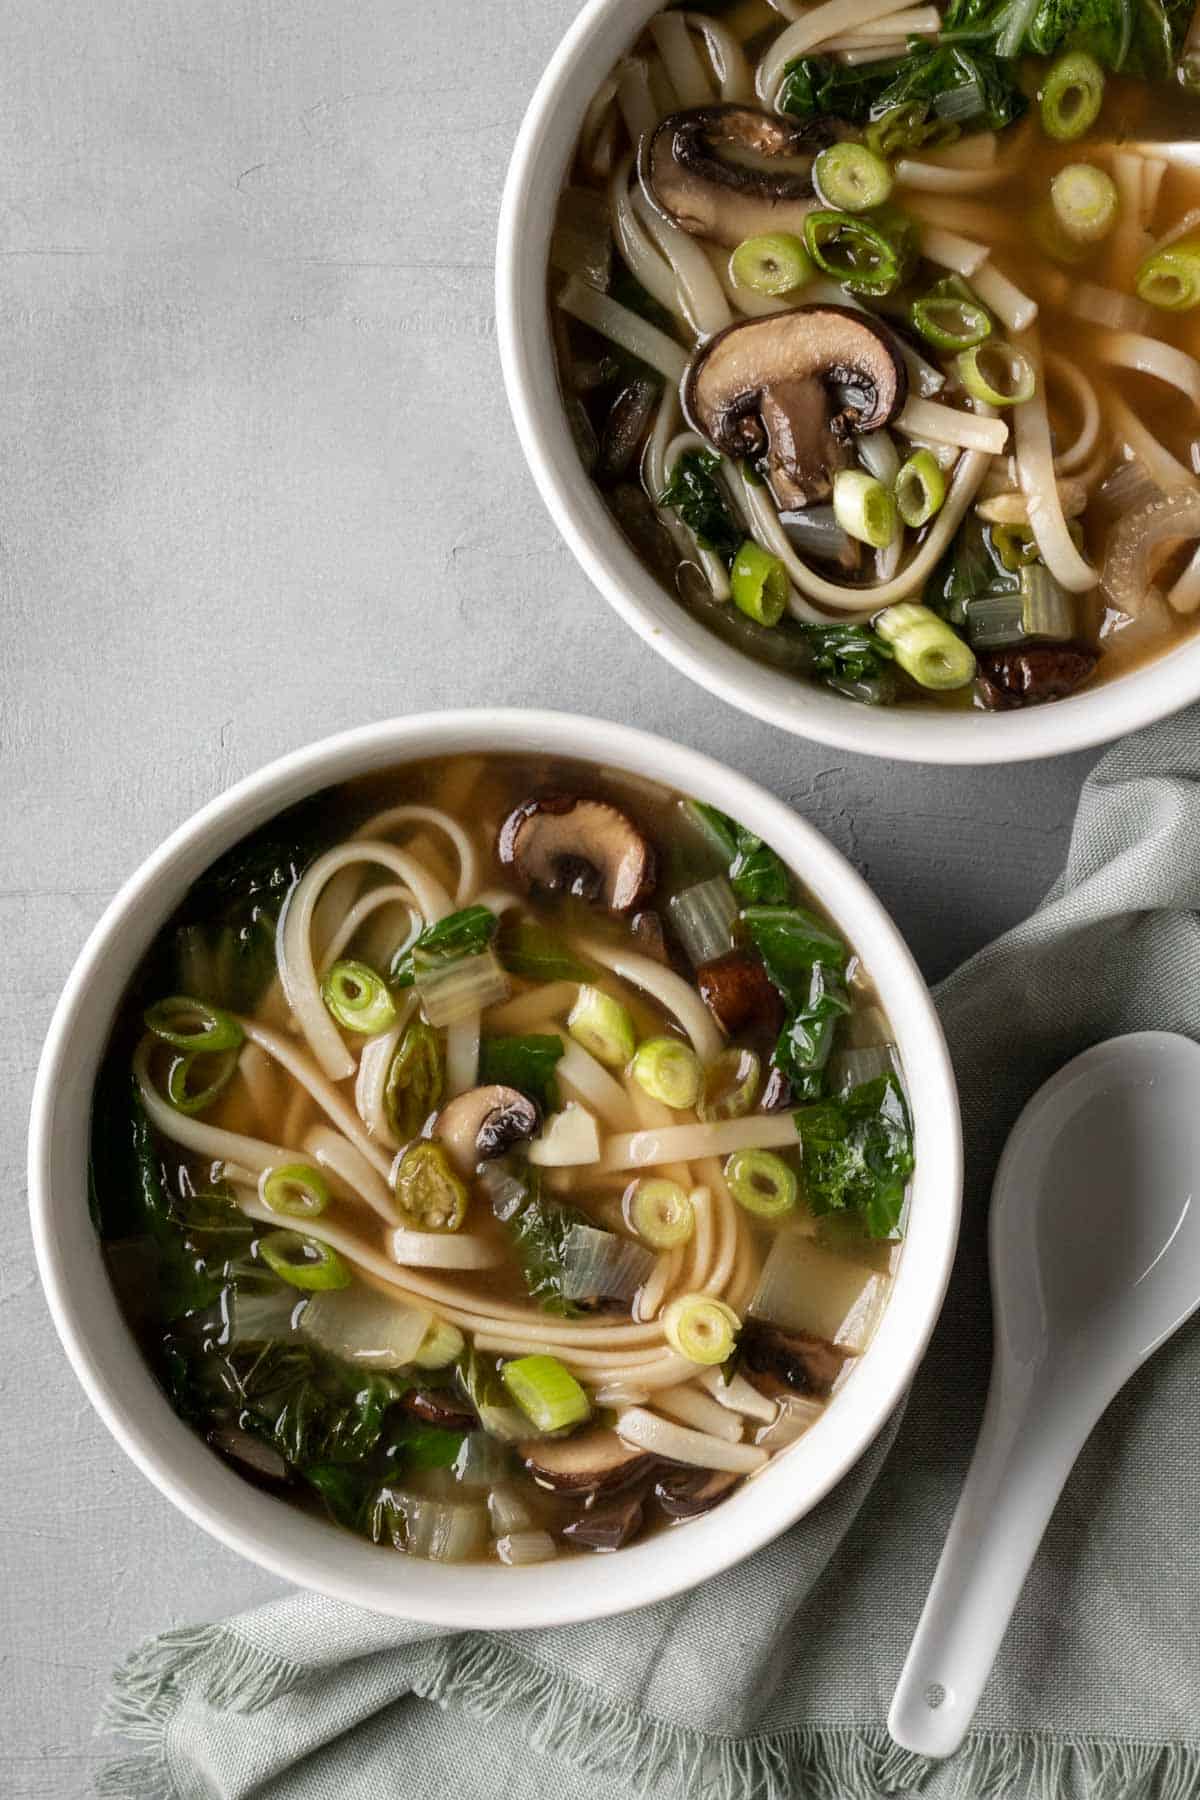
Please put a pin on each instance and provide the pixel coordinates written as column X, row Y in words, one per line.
column 852, row 660
column 536, row 953
column 1138, row 37
column 858, row 1153
column 695, row 494
column 421, row 1446
column 756, row 873
column 526, row 1063
column 538, row 1229
column 791, row 942
column 458, row 935
column 973, row 565
column 807, row 1038
column 816, row 85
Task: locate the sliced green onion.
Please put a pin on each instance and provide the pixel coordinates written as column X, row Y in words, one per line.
column 295, row 1189
column 997, row 373
column 925, row 647
column 1170, row 277
column 416, row 1080
column 193, row 1025
column 303, row 1261
column 920, row 489
column 429, row 1194
column 1085, row 202
column 852, row 177
column 1047, row 610
column 1050, row 238
column 660, row 1211
column 1015, row 545
column 1072, row 95
column 909, row 127
column 358, row 999
column 442, row 1345
column 760, row 584
column 774, row 263
column 950, row 317
column 188, row 1098
column 546, row 1392
column 860, row 252
column 669, row 1070
column 730, row 1085
column 761, row 1182
column 1188, row 72
column 702, row 1329
column 603, row 1026
column 864, row 508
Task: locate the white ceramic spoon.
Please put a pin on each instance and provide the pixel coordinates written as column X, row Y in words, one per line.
column 1095, row 1261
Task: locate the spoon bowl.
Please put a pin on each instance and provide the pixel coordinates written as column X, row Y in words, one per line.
column 1095, row 1261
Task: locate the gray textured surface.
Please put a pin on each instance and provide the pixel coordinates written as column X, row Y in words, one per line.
column 258, row 483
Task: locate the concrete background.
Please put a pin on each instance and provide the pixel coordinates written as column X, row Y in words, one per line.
column 257, row 484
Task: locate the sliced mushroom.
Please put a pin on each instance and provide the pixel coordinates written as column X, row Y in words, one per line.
column 439, row 1406
column 590, row 1462
column 779, row 1360
column 588, row 848
column 649, row 936
column 787, row 390
column 607, row 1527
column 1029, row 677
column 730, row 172
column 739, row 993
column 255, row 1459
column 684, row 1493
column 485, row 1122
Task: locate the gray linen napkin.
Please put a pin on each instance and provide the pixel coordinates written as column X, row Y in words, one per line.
column 773, row 1680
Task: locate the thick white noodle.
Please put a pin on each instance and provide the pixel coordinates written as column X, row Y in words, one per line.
column 678, row 1443
column 462, row 1055
column 468, row 857
column 370, row 1084
column 1182, row 228
column 728, row 60
column 1102, row 306
column 1141, row 443
column 652, row 1296
column 442, row 1250
column 675, row 995
column 950, row 251
column 936, row 178
column 715, row 572
column 831, row 19
column 690, row 1405
column 635, row 99
column 705, row 305
column 1061, row 369
column 651, row 269
column 332, row 1151
column 953, row 425
column 1184, row 594
column 1153, row 170
column 739, row 1395
column 990, row 224
column 578, row 1071
column 190, row 1133
column 1149, row 356
column 620, row 326
column 262, row 1084
column 1015, row 310
column 362, row 910
column 680, row 59
column 537, row 1007
column 978, row 151
column 914, row 21
column 675, row 1143
column 294, row 939
column 304, row 1071
column 883, row 51
column 1035, row 469
column 1129, row 241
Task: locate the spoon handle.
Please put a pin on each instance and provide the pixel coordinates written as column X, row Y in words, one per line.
column 1026, row 1448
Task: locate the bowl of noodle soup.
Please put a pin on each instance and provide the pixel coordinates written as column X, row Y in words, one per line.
column 455, row 1213
column 811, row 316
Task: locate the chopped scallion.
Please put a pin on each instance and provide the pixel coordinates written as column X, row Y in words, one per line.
column 852, row 177
column 358, row 998
column 196, row 1078
column 950, row 317
column 1170, row 277
column 997, row 373
column 864, row 508
column 303, row 1261
column 759, row 583
column 660, row 1212
column 868, row 256
column 761, row 1182
column 925, row 646
column 193, row 1025
column 774, row 263
column 546, row 1392
column 1072, row 95
column 295, row 1189
column 700, row 1328
column 429, row 1194
column 920, row 489
column 1085, row 202
column 669, row 1070
column 603, row 1026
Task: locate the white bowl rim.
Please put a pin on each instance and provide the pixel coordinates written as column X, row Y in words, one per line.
column 305, row 1550
column 602, row 32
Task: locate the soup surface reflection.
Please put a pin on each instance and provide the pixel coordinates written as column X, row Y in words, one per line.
column 877, row 326
column 504, row 1157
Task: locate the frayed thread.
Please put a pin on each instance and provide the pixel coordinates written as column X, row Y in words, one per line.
column 604, row 1739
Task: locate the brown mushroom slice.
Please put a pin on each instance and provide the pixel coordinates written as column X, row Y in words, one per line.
column 778, row 1360
column 739, row 993
column 1033, row 676
column 485, row 1122
column 685, row 1493
column 588, row 848
column 786, row 391
column 730, row 172
column 589, row 1462
column 439, row 1406
column 608, row 1527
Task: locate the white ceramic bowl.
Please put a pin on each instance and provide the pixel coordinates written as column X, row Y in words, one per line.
column 601, row 34
column 304, row 1549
